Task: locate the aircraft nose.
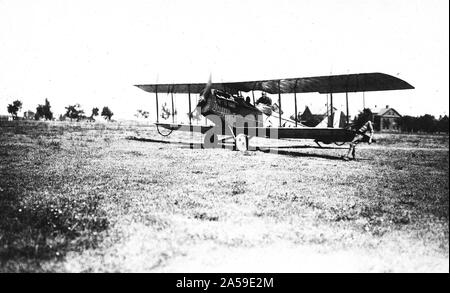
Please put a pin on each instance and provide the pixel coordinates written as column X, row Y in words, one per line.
column 201, row 102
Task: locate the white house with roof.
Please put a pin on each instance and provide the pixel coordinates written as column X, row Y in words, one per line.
column 386, row 119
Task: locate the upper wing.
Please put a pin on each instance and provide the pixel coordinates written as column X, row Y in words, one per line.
column 180, row 88
column 361, row 82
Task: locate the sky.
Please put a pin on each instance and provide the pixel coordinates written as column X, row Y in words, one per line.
column 93, row 52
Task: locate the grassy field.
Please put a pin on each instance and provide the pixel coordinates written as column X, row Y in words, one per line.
column 80, row 197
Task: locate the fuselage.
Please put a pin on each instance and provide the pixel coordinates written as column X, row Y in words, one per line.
column 236, row 111
column 231, row 110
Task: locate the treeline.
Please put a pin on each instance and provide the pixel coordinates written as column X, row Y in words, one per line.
column 426, row 123
column 73, row 112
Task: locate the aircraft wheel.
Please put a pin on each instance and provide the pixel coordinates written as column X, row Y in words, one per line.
column 211, row 141
column 241, row 142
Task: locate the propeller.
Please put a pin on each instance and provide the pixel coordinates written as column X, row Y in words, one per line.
column 205, row 94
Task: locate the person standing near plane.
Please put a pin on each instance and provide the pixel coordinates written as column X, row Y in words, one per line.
column 361, row 133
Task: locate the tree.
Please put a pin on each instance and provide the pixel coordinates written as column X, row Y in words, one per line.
column 74, row 111
column 43, row 111
column 427, row 123
column 107, row 113
column 142, row 113
column 94, row 112
column 407, row 123
column 442, row 124
column 166, row 112
column 362, row 118
column 195, row 115
column 14, row 108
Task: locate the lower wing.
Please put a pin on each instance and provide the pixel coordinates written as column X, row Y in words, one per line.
column 185, row 127
column 320, row 134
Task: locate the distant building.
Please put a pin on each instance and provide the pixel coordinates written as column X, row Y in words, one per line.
column 321, row 120
column 385, row 119
column 6, row 118
column 308, row 118
column 28, row 115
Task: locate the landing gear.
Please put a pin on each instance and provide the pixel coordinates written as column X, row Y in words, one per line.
column 241, row 142
column 328, row 142
column 339, row 143
column 211, row 141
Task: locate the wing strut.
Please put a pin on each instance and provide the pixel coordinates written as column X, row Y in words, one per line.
column 253, row 93
column 190, row 111
column 364, row 100
column 279, row 102
column 331, row 112
column 331, row 118
column 173, row 112
column 346, row 104
column 157, row 107
column 295, row 100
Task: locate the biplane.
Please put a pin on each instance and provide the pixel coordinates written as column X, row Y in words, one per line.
column 239, row 119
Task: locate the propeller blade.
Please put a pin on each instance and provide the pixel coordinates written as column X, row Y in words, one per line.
column 206, row 92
